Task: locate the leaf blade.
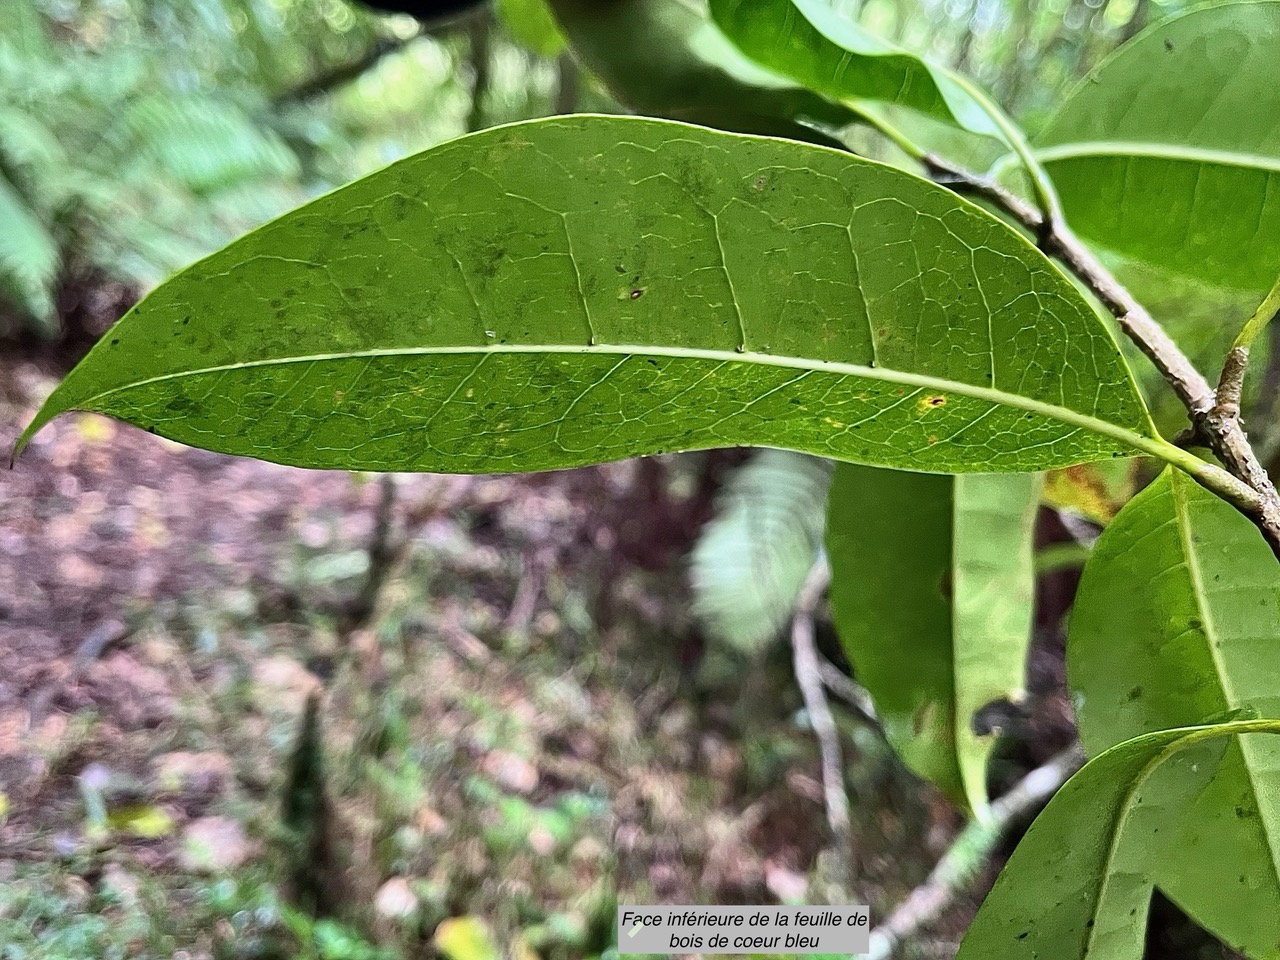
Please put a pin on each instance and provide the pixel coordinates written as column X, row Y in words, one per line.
column 1078, row 885
column 943, row 567
column 1162, row 156
column 830, row 53
column 1175, row 622
column 507, row 302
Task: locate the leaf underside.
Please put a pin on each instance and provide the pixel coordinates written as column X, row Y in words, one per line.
column 932, row 581
column 582, row 289
column 1079, row 884
column 1177, row 621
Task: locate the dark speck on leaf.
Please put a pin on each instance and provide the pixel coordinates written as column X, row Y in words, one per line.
column 114, row 341
column 1168, row 45
column 1024, row 934
column 637, row 294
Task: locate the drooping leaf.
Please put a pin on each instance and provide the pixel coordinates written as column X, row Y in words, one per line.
column 1177, row 621
column 752, row 557
column 826, row 51
column 575, row 290
column 1168, row 153
column 665, row 58
column 1079, row 884
column 931, row 589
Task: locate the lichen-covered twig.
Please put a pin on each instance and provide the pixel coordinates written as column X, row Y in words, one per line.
column 970, row 852
column 809, row 677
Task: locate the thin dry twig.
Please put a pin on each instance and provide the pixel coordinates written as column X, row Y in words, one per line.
column 809, row 677
column 854, row 696
column 970, row 852
column 347, row 72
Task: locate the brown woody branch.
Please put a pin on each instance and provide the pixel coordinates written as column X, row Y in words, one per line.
column 1214, row 414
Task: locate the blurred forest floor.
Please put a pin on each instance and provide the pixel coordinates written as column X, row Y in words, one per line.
column 518, row 723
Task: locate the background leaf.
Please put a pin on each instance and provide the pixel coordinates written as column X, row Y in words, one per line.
column 1079, row 884
column 574, row 290
column 532, row 23
column 1177, row 621
column 752, row 558
column 677, row 64
column 826, row 51
column 1166, row 154
column 932, row 588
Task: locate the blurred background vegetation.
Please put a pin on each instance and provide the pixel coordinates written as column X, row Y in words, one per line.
column 248, row 711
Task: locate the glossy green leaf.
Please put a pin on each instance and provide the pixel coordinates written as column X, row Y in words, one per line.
column 665, row 58
column 1177, row 621
column 931, row 590
column 1168, row 153
column 575, row 290
column 1079, row 884
column 826, row 51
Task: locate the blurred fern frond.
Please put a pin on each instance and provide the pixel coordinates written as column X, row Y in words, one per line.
column 753, row 556
column 28, row 257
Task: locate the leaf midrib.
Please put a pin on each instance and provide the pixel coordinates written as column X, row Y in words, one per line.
column 1190, row 738
column 1182, row 511
column 1160, row 151
column 1144, row 444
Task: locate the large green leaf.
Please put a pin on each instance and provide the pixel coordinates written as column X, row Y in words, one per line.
column 1168, row 153
column 1079, row 884
column 1177, row 621
column 673, row 62
column 574, row 290
column 810, row 42
column 931, row 590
